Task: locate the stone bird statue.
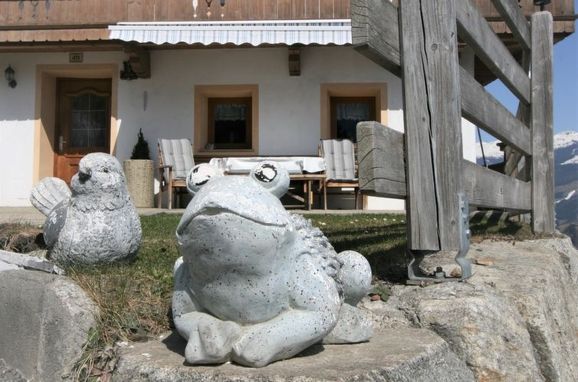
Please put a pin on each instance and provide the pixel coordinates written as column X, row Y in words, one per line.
column 97, row 222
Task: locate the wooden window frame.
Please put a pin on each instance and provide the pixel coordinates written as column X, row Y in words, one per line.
column 333, row 100
column 357, row 89
column 202, row 141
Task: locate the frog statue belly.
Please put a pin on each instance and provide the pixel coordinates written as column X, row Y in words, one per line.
column 256, row 284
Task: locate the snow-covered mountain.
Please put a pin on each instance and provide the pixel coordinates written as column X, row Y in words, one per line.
column 566, row 180
column 492, row 153
column 566, row 177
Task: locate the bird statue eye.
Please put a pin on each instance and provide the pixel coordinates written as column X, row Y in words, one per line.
column 271, row 176
column 105, row 170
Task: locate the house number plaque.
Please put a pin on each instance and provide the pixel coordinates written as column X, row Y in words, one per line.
column 76, row 57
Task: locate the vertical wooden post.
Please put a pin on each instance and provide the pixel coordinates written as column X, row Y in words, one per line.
column 542, row 124
column 432, row 99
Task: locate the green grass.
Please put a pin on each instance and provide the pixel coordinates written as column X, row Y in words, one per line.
column 380, row 238
column 133, row 298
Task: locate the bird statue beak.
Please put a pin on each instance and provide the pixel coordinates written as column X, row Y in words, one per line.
column 84, row 175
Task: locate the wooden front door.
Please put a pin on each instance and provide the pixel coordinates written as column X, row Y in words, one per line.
column 82, row 122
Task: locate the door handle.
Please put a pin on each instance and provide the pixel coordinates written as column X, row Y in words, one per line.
column 61, row 143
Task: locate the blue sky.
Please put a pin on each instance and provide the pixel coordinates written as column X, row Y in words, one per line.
column 565, row 86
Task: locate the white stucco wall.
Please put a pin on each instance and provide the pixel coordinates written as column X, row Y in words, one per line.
column 289, row 107
column 16, row 135
column 163, row 106
column 467, row 61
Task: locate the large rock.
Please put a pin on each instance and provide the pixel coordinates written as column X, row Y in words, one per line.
column 482, row 327
column 44, row 321
column 400, row 355
column 516, row 319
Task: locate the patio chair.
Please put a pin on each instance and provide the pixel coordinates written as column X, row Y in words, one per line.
column 175, row 162
column 340, row 167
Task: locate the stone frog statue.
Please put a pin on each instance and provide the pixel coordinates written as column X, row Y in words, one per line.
column 256, row 284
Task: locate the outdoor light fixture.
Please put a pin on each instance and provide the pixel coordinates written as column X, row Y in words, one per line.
column 127, row 73
column 9, row 75
column 209, row 2
column 222, row 6
column 542, row 3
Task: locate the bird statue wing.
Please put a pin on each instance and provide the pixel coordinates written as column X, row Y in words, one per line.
column 54, row 223
column 47, row 194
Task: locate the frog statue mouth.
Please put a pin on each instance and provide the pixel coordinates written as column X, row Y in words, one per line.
column 235, row 195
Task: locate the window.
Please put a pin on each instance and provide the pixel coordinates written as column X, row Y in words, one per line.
column 343, row 105
column 226, row 120
column 346, row 112
column 89, row 121
column 229, row 123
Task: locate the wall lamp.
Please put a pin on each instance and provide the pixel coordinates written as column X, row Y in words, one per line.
column 127, row 73
column 9, row 75
column 209, row 2
column 541, row 3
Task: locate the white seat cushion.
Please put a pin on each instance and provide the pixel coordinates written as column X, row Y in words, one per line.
column 339, row 157
column 178, row 153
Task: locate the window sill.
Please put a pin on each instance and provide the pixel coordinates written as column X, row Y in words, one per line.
column 222, row 153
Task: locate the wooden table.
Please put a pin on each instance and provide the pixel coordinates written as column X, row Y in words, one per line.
column 308, row 180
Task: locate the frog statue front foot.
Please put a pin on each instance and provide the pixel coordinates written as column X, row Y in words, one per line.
column 256, row 284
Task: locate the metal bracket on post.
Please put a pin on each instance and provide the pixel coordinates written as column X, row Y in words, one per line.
column 414, row 273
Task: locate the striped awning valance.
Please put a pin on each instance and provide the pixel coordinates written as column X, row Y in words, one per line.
column 306, row 32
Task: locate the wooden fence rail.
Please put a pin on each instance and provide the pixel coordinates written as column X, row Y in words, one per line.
column 418, row 41
column 478, row 34
column 510, row 11
column 382, row 173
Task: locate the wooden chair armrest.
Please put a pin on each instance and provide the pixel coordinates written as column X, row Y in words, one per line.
column 165, row 180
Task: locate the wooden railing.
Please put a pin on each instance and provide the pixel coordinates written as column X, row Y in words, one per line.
column 83, row 13
column 425, row 164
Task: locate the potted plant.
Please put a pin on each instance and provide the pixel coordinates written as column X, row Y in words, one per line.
column 139, row 172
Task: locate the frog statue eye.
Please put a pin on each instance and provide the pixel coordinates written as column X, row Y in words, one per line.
column 272, row 176
column 200, row 175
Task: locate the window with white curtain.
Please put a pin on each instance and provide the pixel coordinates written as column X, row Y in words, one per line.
column 230, row 123
column 346, row 112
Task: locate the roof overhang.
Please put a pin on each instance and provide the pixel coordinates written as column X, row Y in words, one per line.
column 254, row 33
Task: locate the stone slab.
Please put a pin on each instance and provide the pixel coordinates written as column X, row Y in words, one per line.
column 19, row 260
column 394, row 355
